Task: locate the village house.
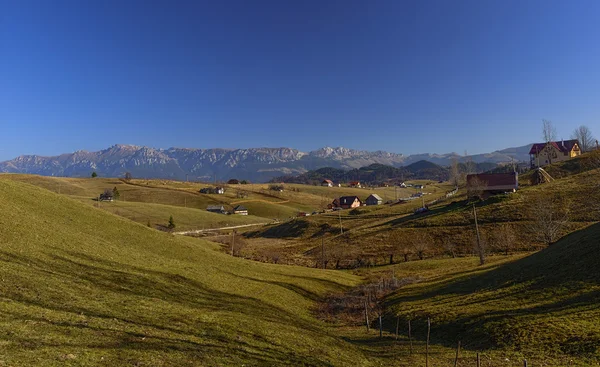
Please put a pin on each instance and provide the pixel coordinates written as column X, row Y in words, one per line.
column 220, row 209
column 106, row 197
column 355, row 184
column 241, row 210
column 347, row 202
column 327, row 183
column 374, row 199
column 542, row 154
column 487, row 184
column 212, row 190
column 233, row 181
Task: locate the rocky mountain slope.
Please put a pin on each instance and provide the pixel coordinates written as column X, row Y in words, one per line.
column 255, row 164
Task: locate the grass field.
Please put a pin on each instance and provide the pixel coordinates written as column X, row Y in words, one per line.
column 186, row 219
column 542, row 305
column 80, row 286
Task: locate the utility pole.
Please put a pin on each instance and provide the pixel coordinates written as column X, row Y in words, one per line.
column 396, row 192
column 479, row 249
column 323, row 252
column 341, row 226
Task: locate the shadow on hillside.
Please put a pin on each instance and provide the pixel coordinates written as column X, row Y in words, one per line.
column 121, row 294
column 293, row 228
column 565, row 272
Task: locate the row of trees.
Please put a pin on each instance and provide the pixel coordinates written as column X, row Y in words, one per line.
column 583, row 134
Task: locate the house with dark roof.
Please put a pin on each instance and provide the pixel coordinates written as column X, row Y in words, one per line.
column 487, row 184
column 106, row 196
column 241, row 210
column 347, row 202
column 374, row 199
column 220, row 209
column 542, row 154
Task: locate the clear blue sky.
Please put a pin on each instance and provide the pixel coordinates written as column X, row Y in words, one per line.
column 401, row 76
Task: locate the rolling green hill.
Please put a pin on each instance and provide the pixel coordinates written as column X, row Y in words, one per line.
column 543, row 304
column 80, row 286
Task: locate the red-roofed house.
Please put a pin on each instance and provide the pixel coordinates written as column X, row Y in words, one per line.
column 493, row 183
column 542, row 154
column 327, row 183
column 355, row 184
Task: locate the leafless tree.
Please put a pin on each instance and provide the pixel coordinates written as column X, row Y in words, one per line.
column 548, row 218
column 503, row 238
column 449, row 245
column 455, row 175
column 421, row 243
column 128, row 176
column 475, row 187
column 548, row 131
column 584, row 135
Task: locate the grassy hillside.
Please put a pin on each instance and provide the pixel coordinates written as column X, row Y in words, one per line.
column 81, row 286
column 186, row 219
column 543, row 304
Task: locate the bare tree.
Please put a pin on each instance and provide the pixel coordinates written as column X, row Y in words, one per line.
column 548, row 218
column 421, row 243
column 584, row 135
column 449, row 245
column 503, row 238
column 455, row 176
column 128, row 176
column 548, row 131
column 475, row 187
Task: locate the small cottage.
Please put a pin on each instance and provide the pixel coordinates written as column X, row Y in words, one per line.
column 327, row 183
column 374, row 199
column 106, row 197
column 220, row 209
column 241, row 210
column 355, row 184
column 486, row 184
column 347, row 202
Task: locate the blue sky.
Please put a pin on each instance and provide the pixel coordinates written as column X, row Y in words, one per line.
column 401, row 76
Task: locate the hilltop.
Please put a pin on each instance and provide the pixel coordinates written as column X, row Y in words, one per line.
column 254, row 164
column 376, row 173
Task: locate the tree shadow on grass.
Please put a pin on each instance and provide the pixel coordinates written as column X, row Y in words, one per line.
column 121, row 282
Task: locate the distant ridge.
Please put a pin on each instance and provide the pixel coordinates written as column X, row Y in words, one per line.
column 254, row 164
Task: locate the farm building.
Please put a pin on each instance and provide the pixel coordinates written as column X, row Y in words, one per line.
column 106, row 197
column 374, row 199
column 327, row 183
column 233, row 181
column 486, row 184
column 212, row 190
column 347, row 202
column 542, row 154
column 241, row 210
column 216, row 209
column 354, row 184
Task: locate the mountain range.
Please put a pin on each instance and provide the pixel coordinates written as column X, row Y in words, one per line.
column 254, row 164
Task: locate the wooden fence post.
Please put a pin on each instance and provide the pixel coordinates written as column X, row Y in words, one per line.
column 525, row 363
column 367, row 316
column 427, row 345
column 457, row 351
column 409, row 336
column 478, row 361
